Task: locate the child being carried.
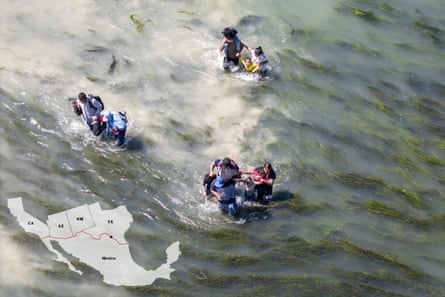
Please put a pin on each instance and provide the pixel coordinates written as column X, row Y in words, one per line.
column 257, row 63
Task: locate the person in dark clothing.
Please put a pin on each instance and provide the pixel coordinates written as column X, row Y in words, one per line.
column 206, row 182
column 225, row 194
column 263, row 186
column 232, row 47
column 89, row 108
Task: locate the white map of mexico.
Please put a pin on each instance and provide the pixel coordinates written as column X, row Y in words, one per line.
column 96, row 237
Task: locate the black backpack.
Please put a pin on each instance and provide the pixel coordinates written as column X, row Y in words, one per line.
column 228, row 173
column 98, row 99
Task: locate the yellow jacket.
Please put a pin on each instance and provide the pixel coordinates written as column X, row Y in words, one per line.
column 251, row 68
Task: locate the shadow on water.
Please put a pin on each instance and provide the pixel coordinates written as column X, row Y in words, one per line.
column 135, row 144
column 250, row 212
column 256, row 211
column 282, row 195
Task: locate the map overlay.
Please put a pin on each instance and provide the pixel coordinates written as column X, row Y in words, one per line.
column 95, row 237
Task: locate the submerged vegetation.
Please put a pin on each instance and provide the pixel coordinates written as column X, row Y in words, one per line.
column 367, row 15
column 353, row 123
column 139, row 24
column 432, row 32
column 294, row 254
column 378, row 184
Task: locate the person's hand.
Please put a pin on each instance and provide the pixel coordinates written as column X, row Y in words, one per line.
column 94, row 118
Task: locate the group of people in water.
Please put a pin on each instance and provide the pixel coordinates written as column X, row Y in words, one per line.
column 223, row 176
column 93, row 113
column 233, row 47
column 114, row 123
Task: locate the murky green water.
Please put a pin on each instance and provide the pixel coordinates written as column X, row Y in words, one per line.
column 351, row 118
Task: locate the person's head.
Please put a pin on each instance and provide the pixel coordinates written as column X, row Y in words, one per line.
column 226, row 162
column 229, row 33
column 258, row 51
column 248, row 61
column 267, row 167
column 82, row 97
column 261, row 172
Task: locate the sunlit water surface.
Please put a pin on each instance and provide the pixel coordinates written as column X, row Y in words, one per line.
column 351, row 115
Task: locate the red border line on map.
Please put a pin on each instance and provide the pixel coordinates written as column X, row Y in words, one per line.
column 110, row 236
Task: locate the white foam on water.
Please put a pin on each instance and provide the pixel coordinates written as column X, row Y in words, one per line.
column 17, row 266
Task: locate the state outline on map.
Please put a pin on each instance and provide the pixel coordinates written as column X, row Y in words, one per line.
column 72, row 222
column 95, row 237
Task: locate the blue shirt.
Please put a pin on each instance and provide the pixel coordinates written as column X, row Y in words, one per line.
column 227, row 192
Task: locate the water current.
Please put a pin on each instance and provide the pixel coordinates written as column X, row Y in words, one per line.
column 351, row 116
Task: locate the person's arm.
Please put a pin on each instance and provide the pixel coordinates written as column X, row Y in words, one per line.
column 242, row 46
column 211, row 168
column 221, row 46
column 76, row 107
column 99, row 118
column 269, row 181
column 239, row 179
column 216, row 194
column 204, row 190
column 243, row 62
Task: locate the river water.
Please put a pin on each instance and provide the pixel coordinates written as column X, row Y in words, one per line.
column 351, row 116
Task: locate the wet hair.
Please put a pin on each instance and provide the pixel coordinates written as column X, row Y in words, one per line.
column 261, row 172
column 82, row 96
column 259, row 51
column 227, row 162
column 229, row 32
column 267, row 165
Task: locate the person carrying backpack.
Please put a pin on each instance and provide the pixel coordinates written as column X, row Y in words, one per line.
column 89, row 107
column 232, row 47
column 218, row 163
column 116, row 125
